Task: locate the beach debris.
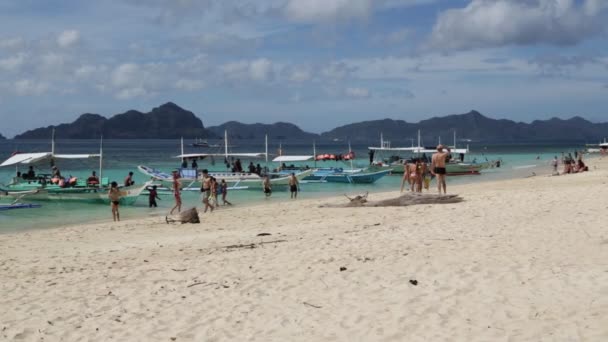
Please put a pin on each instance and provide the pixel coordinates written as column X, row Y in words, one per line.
column 312, row 305
column 186, row 216
column 179, row 269
column 342, row 269
column 414, row 282
column 201, row 283
column 252, row 245
column 264, row 234
column 358, row 200
column 401, row 201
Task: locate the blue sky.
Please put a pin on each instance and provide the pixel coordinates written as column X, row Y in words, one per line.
column 316, row 63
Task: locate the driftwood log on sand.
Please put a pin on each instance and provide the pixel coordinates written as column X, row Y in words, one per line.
column 401, row 201
column 185, row 216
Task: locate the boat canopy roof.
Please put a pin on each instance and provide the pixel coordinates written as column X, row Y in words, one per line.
column 30, row 158
column 397, row 149
column 238, row 155
column 416, row 149
column 282, row 159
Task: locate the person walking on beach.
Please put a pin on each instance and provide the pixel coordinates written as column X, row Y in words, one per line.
column 293, row 185
column 266, row 186
column 114, row 195
column 152, row 196
column 406, row 175
column 176, row 193
column 438, row 168
column 206, row 191
column 554, row 163
column 224, row 192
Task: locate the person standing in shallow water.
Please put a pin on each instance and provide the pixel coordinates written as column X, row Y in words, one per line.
column 152, row 196
column 293, row 185
column 266, row 186
column 438, row 168
column 224, row 192
column 114, row 195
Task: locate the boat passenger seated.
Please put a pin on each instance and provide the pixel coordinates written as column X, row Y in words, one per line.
column 93, row 179
column 31, row 174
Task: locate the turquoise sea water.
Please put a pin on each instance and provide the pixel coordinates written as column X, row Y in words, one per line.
column 122, row 156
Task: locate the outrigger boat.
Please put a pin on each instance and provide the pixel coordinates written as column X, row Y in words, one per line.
column 43, row 188
column 16, row 203
column 602, row 147
column 191, row 178
column 331, row 174
column 454, row 167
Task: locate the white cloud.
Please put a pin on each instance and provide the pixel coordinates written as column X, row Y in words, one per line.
column 13, row 63
column 357, row 92
column 129, row 93
column 490, row 23
column 26, row 87
column 323, row 10
column 300, row 75
column 87, row 71
column 68, row 38
column 11, row 43
column 52, row 61
column 125, row 75
column 260, row 69
column 189, row 85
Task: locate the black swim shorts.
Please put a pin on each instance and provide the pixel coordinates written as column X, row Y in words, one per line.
column 293, row 188
column 440, row 170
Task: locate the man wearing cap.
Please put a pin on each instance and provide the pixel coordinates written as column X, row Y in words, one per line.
column 438, row 167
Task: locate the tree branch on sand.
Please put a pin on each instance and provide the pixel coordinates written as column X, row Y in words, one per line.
column 401, row 201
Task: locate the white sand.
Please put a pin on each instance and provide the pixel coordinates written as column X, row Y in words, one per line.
column 519, row 260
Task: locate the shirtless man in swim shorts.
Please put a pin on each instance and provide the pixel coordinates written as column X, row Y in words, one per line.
column 438, row 167
column 206, row 191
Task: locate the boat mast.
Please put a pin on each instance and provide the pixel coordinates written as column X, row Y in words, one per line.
column 454, row 138
column 314, row 153
column 182, row 148
column 100, row 159
column 53, row 143
column 266, row 148
column 418, row 142
column 350, row 155
column 226, row 144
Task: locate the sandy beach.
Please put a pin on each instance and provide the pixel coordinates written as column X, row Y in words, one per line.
column 517, row 260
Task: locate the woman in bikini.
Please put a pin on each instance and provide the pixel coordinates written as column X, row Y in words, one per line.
column 114, row 195
column 176, row 193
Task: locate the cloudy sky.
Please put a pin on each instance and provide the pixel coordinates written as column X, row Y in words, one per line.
column 317, row 63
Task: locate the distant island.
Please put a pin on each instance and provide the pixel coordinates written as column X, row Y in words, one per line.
column 473, row 126
column 2, row 137
column 169, row 121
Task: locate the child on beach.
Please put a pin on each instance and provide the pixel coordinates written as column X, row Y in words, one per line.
column 114, row 195
column 152, row 196
column 224, row 192
column 266, row 186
